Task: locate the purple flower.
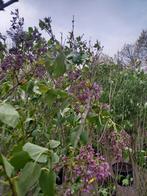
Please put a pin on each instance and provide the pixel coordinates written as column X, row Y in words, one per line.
column 73, row 75
column 105, row 106
column 117, row 142
column 68, row 192
column 12, row 61
column 84, row 90
column 88, row 167
column 40, row 71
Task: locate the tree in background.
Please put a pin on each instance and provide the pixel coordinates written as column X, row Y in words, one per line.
column 134, row 55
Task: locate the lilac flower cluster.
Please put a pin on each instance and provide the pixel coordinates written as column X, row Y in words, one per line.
column 73, row 75
column 28, row 45
column 12, row 61
column 40, row 71
column 105, row 106
column 88, row 168
column 59, row 82
column 117, row 142
column 83, row 90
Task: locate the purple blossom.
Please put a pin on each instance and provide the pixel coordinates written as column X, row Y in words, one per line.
column 40, row 71
column 73, row 75
column 87, row 166
column 105, row 106
column 68, row 192
column 7, row 63
column 83, row 90
column 12, row 61
column 117, row 142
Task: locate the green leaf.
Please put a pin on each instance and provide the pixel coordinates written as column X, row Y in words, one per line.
column 41, row 24
column 19, row 159
column 50, row 97
column 9, row 115
column 84, row 137
column 125, row 182
column 59, row 66
column 55, row 158
column 73, row 137
column 47, row 182
column 7, row 166
column 30, row 86
column 54, row 143
column 37, row 153
column 43, row 88
column 28, row 177
column 30, row 29
column 61, row 94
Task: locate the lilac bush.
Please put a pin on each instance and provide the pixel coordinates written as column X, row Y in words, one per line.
column 59, row 92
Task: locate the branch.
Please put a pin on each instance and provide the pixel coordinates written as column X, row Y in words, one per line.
column 4, row 5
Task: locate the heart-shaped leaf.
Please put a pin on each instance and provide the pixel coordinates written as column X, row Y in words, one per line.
column 37, row 153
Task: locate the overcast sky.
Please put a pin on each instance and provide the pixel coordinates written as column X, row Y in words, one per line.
column 112, row 22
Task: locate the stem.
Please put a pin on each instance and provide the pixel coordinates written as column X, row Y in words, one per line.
column 11, row 91
column 12, row 187
column 83, row 119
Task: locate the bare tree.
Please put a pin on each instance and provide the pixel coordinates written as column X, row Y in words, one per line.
column 4, row 5
column 141, row 47
column 134, row 55
column 128, row 55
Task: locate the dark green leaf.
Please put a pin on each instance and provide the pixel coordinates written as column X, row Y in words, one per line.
column 50, row 97
column 19, row 159
column 84, row 137
column 47, row 182
column 59, row 66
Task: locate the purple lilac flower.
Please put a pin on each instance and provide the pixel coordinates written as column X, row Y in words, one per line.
column 117, row 142
column 73, row 75
column 84, row 90
column 12, row 61
column 7, row 63
column 105, row 106
column 68, row 192
column 87, row 166
column 40, row 71
column 90, row 167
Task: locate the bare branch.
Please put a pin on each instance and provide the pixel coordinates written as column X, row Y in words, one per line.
column 4, row 5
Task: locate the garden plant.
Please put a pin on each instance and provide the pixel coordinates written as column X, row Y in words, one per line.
column 71, row 123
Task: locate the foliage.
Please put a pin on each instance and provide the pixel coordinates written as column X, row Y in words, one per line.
column 58, row 99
